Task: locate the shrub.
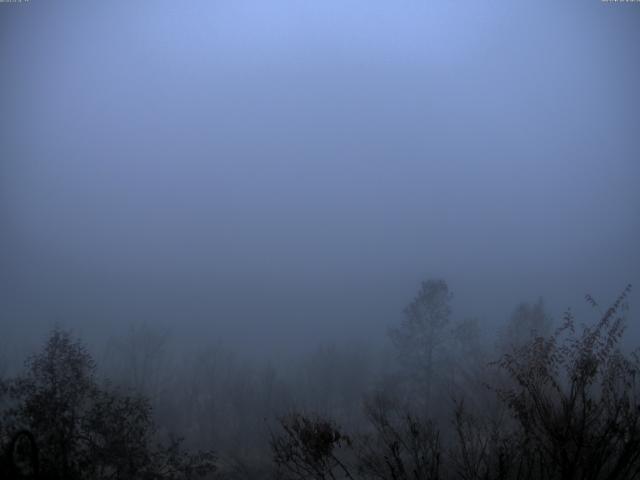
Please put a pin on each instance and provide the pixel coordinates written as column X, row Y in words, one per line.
column 575, row 400
column 308, row 448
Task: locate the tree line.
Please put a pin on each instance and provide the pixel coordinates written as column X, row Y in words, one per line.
column 546, row 401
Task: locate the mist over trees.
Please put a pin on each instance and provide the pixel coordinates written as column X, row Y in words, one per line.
column 319, row 240
column 544, row 400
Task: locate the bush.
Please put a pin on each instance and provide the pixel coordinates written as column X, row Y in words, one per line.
column 575, row 400
column 308, row 448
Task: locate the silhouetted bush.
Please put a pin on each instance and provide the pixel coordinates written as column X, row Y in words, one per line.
column 308, row 447
column 575, row 401
column 401, row 445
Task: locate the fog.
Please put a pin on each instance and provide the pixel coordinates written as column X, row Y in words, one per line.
column 259, row 188
column 276, row 174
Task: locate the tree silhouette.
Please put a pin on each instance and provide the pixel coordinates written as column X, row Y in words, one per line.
column 84, row 430
column 422, row 332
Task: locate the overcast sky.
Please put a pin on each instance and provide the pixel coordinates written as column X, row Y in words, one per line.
column 276, row 173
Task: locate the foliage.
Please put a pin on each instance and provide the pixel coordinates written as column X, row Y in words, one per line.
column 85, row 431
column 308, row 448
column 571, row 410
column 575, row 400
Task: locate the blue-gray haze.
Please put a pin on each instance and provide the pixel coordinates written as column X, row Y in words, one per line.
column 274, row 174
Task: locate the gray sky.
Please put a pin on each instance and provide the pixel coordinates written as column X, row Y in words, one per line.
column 275, row 173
